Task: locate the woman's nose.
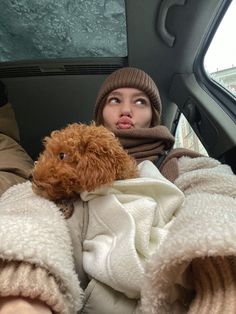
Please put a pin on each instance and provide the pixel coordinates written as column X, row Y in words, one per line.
column 126, row 109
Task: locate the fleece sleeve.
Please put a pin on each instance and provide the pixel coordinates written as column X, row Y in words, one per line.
column 36, row 251
column 204, row 230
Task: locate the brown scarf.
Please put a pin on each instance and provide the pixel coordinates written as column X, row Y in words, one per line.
column 146, row 143
column 151, row 144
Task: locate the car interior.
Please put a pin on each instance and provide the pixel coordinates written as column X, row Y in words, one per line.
column 53, row 72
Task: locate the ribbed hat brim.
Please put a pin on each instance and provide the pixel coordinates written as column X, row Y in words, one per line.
column 128, row 77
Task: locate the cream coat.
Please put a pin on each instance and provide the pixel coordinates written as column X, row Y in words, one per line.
column 205, row 226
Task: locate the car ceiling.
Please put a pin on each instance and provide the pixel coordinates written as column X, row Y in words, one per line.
column 52, row 99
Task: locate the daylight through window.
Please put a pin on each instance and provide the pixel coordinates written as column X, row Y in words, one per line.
column 220, row 59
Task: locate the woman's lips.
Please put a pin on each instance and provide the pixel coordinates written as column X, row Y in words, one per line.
column 124, row 123
column 124, row 126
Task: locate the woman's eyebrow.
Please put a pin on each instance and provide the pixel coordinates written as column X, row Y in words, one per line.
column 114, row 94
column 140, row 94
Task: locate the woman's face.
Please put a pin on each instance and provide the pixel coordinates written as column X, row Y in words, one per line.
column 127, row 108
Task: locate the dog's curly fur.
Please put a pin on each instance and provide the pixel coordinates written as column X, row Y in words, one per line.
column 80, row 158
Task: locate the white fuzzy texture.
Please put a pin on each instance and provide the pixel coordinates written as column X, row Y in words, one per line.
column 127, row 222
column 205, row 226
column 33, row 230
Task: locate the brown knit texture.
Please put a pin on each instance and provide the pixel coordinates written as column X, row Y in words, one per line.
column 133, row 78
column 26, row 280
column 215, row 285
column 151, row 144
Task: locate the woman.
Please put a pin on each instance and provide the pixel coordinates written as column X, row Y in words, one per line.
column 198, row 233
column 193, row 269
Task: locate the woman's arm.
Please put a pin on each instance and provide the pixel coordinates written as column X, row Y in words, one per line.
column 36, row 251
column 200, row 244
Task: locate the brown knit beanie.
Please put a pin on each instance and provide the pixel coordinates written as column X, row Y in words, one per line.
column 133, row 78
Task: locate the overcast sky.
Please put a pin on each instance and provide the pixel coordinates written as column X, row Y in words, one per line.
column 222, row 51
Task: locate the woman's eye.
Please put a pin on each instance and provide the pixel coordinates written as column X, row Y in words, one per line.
column 113, row 100
column 141, row 101
column 62, row 156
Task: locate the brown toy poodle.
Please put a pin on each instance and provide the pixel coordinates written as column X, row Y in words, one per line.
column 80, row 158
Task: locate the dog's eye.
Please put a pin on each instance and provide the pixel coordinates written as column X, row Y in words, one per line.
column 62, row 156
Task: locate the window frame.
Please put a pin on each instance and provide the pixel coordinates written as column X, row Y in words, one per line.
column 220, row 94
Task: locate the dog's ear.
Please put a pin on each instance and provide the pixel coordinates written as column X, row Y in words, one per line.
column 82, row 147
column 94, row 172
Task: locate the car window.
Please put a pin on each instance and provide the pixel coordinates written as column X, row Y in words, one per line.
column 220, row 59
column 31, row 29
column 185, row 137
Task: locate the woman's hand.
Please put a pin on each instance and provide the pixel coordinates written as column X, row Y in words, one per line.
column 20, row 305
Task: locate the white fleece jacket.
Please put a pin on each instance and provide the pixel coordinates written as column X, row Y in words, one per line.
column 127, row 223
column 204, row 226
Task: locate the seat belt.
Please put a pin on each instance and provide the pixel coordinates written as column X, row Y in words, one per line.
column 159, row 160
